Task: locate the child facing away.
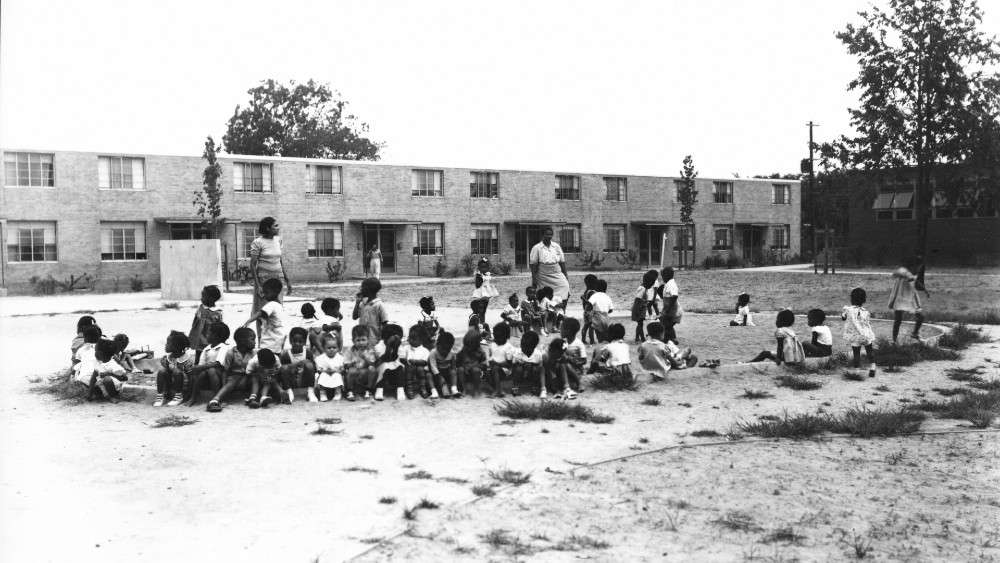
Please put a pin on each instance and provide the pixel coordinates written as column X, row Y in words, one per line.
column 477, row 320
column 271, row 317
column 329, row 371
column 615, row 356
column 501, row 357
column 428, row 319
column 858, row 331
column 589, row 284
column 511, row 314
column 174, row 375
column 743, row 315
column 211, row 366
column 84, row 358
column 298, row 367
column 108, row 376
column 78, row 340
column 483, row 281
column 821, row 343
column 527, row 371
column 443, row 366
column 389, row 368
column 122, row 356
column 369, row 310
column 332, row 318
column 238, row 357
column 575, row 354
column 600, row 318
column 359, row 363
column 204, row 317
column 658, row 356
column 789, row 349
column 470, row 360
column 313, row 326
column 640, row 303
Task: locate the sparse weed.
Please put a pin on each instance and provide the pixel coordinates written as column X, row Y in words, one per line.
column 613, row 381
column 895, row 457
column 511, row 476
column 705, row 434
column 387, row 500
column 949, row 392
column 964, row 374
column 964, row 406
column 171, row 305
column 986, row 385
column 328, row 420
column 797, row 427
column 324, row 431
column 980, row 418
column 737, row 521
column 755, row 394
column 366, row 437
column 883, row 388
column 798, row 383
column 652, row 401
column 783, row 535
column 853, row 376
column 892, row 354
column 410, row 513
column 359, row 469
column 174, row 420
column 577, row 543
column 483, row 491
column 550, row 410
column 427, row 504
column 456, row 480
column 419, row 474
column 865, row 423
column 963, row 336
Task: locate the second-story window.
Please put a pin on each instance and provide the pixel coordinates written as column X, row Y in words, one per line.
column 567, row 187
column 617, row 189
column 120, row 173
column 28, row 169
column 722, row 192
column 252, row 177
column 781, row 194
column 425, row 183
column 324, row 179
column 484, row 184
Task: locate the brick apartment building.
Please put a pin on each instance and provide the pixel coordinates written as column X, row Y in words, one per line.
column 103, row 214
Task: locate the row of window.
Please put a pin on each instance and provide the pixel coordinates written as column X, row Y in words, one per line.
column 898, row 205
column 723, row 237
column 128, row 173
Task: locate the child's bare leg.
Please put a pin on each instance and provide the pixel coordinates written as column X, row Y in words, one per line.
column 227, row 388
column 108, row 389
column 196, row 385
column 540, row 373
column 91, row 387
column 871, row 360
column 856, row 352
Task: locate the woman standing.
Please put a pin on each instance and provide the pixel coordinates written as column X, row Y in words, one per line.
column 548, row 266
column 265, row 262
column 904, row 297
column 375, row 262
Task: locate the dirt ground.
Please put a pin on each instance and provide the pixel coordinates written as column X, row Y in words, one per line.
column 95, row 481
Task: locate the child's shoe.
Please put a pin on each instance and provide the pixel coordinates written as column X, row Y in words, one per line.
column 871, row 370
column 265, row 401
column 543, row 395
column 569, row 395
column 159, row 400
column 350, row 396
column 368, row 395
column 455, row 393
column 434, row 393
column 176, row 401
column 252, row 402
column 400, row 394
column 311, row 395
column 291, row 396
column 336, row 395
column 379, row 394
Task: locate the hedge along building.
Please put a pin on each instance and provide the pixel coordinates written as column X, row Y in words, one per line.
column 104, row 214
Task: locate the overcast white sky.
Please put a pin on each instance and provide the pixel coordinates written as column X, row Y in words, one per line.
column 589, row 86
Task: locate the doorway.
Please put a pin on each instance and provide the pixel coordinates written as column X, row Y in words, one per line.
column 753, row 245
column 385, row 237
column 651, row 245
column 525, row 236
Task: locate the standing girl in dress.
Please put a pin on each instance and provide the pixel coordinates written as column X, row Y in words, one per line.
column 375, row 262
column 858, row 329
column 484, row 286
column 640, row 304
column 904, row 297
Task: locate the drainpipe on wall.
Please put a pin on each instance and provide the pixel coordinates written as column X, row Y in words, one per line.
column 3, row 259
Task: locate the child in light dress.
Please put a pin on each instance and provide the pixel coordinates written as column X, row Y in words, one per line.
column 743, row 315
column 501, row 358
column 332, row 319
column 821, row 343
column 329, row 371
column 548, row 304
column 511, row 314
column 789, row 349
column 298, row 368
column 531, row 314
column 78, row 340
column 369, row 310
column 905, row 298
column 483, row 281
column 84, row 359
column 174, row 375
column 858, row 331
column 271, row 317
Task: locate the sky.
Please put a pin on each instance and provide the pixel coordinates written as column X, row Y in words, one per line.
column 574, row 86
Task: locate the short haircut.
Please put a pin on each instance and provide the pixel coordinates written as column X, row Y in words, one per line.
column 479, row 304
column 589, row 280
column 742, row 299
column 426, row 302
column 417, row 331
column 370, row 287
column 512, row 296
column 471, row 340
column 178, row 341
column 389, row 330
column 858, row 296
column 307, row 310
column 546, row 292
column 649, row 278
column 667, row 273
column 212, row 292
column 817, row 315
column 84, row 322
column 272, row 285
column 359, row 331
column 529, row 341
column 220, row 331
column 655, row 329
column 556, row 347
column 244, row 332
column 445, row 341
column 105, row 349
column 265, row 225
column 571, row 325
column 91, row 334
column 330, row 305
column 266, row 357
column 785, row 318
column 121, row 340
column 616, row 331
column 501, row 333
column 298, row 331
column 601, row 285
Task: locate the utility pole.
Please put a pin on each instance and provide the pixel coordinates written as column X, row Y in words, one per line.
column 812, row 201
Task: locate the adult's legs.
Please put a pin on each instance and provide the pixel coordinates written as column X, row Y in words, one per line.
column 897, row 319
column 918, row 322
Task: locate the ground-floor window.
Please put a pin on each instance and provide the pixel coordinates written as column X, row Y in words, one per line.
column 189, row 231
column 685, row 238
column 428, row 239
column 123, row 241
column 485, row 239
column 723, row 239
column 569, row 237
column 33, row 241
column 614, row 238
column 245, row 235
column 780, row 236
column 326, row 240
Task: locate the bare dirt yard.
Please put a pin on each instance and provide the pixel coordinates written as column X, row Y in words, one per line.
column 452, row 479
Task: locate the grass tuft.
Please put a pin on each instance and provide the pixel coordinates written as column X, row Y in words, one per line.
column 986, row 385
column 409, row 513
column 419, row 474
column 483, row 491
column 755, row 394
column 652, row 401
column 949, row 392
column 737, row 521
column 705, row 434
column 328, row 420
column 171, row 305
column 796, row 427
column 324, row 431
column 550, row 410
column 174, row 420
column 387, row 500
column 456, row 480
column 963, row 336
column 505, row 475
column 427, row 504
column 980, row 418
column 859, row 421
column 612, row 381
column 967, row 406
column 964, row 374
column 783, row 535
column 883, row 388
column 892, row 354
column 359, row 469
column 577, row 543
column 853, row 376
column 798, row 383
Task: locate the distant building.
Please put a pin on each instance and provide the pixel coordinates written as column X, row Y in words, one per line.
column 104, row 214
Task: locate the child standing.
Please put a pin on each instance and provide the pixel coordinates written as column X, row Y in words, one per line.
column 600, row 318
column 512, row 314
column 905, row 298
column 428, row 320
column 743, row 315
column 442, row 365
column 501, row 357
column 237, row 358
column 175, row 370
column 369, row 310
column 640, row 304
column 590, row 285
column 789, row 349
column 329, row 371
column 527, row 366
column 531, row 314
column 359, row 362
column 858, row 329
column 206, row 315
column 484, row 284
column 108, row 376
column 821, row 345
column 212, row 364
column 297, row 364
column 271, row 317
column 616, row 355
column 550, row 310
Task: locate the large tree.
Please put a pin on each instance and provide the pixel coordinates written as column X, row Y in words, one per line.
column 928, row 87
column 302, row 120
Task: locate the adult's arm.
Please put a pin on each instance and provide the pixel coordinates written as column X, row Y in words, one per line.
column 254, row 275
column 534, row 275
column 533, row 264
column 284, row 274
column 562, row 266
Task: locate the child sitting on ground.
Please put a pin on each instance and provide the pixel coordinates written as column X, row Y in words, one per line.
column 389, row 369
column 556, row 368
column 470, row 361
column 589, row 284
column 329, row 371
column 204, row 317
column 531, row 314
column 108, row 376
column 789, row 349
column 743, row 315
column 313, row 326
column 858, row 329
column 575, row 353
column 527, row 370
column 615, row 355
column 331, row 322
column 122, row 356
column 297, row 364
column 640, row 304
column 549, row 307
column 654, row 356
column 272, row 318
column 84, row 359
column 266, row 371
column 369, row 310
column 235, row 366
column 359, row 362
column 511, row 314
column 78, row 340
column 501, row 357
column 821, row 345
column 212, row 365
column 416, row 357
column 174, row 375
column 442, row 364
column 428, row 320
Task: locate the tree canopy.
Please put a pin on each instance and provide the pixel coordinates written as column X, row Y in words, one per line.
column 301, row 120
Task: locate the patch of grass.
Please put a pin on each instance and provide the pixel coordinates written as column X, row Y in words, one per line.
column 328, row 421
column 501, row 539
column 171, row 305
column 892, row 369
column 737, row 521
column 359, row 469
column 964, row 374
column 962, row 336
column 853, row 376
column 865, row 423
column 769, row 417
column 796, row 427
column 483, row 491
column 892, row 354
column 858, row 546
column 883, row 388
column 949, row 392
column 980, row 418
column 611, row 381
column 643, row 440
column 705, row 434
column 324, row 431
column 387, row 500
column 755, row 394
column 798, row 383
column 366, row 437
column 419, row 474
column 966, row 406
column 173, row 420
column 577, row 543
column 652, row 401
column 986, row 385
column 783, row 535
column 550, row 410
column 409, row 513
column 427, row 504
column 371, row 540
column 456, row 480
column 511, row 476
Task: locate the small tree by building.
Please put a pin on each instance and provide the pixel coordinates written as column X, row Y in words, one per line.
column 207, row 200
column 687, row 195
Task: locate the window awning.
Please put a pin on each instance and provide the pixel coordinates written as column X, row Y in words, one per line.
column 388, row 222
column 656, row 224
column 759, row 225
column 542, row 222
column 903, row 200
column 186, row 220
column 883, row 201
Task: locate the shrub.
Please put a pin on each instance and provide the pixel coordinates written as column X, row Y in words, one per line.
column 136, row 284
column 550, row 410
column 334, row 272
column 440, row 268
column 173, row 420
column 734, row 261
column 964, row 374
column 43, row 286
column 628, row 258
column 467, row 264
column 590, row 259
column 502, row 268
column 713, row 261
column 961, row 337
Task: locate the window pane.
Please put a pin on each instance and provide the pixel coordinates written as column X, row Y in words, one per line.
column 23, row 178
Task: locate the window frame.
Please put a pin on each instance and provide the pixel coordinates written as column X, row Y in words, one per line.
column 246, row 233
column 421, row 250
column 16, row 170
column 267, row 182
column 622, row 188
column 727, row 194
column 477, row 244
column 786, row 194
column 14, row 229
column 118, row 161
column 562, row 192
column 623, row 240
column 716, row 229
column 787, row 236
column 313, row 180
column 193, row 228
column 577, row 230
column 416, row 188
column 124, row 226
column 312, row 244
column 476, row 188
column 688, row 229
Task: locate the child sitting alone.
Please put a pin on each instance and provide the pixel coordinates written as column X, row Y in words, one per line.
column 789, row 349
column 743, row 315
column 329, row 371
column 821, row 345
